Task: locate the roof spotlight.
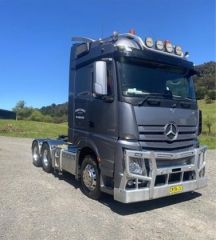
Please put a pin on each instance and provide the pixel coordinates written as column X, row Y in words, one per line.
column 168, row 46
column 149, row 42
column 159, row 45
column 178, row 50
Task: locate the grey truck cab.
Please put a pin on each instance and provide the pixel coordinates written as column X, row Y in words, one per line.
column 133, row 121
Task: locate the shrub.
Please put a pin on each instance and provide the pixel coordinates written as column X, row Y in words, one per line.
column 212, row 94
column 36, row 116
column 200, row 93
column 209, row 122
column 208, row 100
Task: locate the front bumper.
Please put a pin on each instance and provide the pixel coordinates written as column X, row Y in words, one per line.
column 193, row 169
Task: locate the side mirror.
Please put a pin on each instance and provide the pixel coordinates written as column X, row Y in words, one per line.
column 100, row 78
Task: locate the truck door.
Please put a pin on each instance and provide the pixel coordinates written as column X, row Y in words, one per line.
column 83, row 92
column 103, row 123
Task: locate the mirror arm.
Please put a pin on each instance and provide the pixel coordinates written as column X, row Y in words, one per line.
column 108, row 99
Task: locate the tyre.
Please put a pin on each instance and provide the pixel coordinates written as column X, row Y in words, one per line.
column 36, row 159
column 46, row 158
column 90, row 178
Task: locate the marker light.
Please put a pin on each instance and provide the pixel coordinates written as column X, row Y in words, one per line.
column 149, row 42
column 168, row 46
column 159, row 45
column 178, row 50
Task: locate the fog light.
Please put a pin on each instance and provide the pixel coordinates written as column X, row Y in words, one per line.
column 130, row 183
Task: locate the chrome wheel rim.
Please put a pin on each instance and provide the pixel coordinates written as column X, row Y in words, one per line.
column 89, row 177
column 45, row 158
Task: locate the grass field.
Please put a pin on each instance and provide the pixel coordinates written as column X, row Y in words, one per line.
column 208, row 111
column 31, row 129
column 37, row 129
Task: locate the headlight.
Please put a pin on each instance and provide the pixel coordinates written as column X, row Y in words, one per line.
column 137, row 166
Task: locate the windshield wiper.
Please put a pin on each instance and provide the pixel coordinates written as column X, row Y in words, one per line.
column 182, row 98
column 157, row 96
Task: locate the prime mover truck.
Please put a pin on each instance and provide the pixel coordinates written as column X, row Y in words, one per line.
column 133, row 120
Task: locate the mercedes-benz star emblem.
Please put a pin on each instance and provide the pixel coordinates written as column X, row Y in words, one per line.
column 171, row 131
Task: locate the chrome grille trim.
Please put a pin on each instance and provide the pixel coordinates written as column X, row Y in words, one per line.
column 153, row 137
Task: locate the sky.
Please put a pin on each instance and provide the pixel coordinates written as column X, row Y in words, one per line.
column 35, row 38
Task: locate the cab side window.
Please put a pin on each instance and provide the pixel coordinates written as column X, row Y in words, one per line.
column 110, row 90
column 83, row 84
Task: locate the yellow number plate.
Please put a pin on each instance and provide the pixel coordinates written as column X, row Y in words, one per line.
column 176, row 189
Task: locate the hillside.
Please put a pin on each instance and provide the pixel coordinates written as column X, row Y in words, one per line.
column 58, row 112
column 205, row 81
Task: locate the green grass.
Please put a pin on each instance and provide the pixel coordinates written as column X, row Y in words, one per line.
column 30, row 129
column 208, row 111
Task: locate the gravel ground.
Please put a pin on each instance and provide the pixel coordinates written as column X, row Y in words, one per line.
column 37, row 205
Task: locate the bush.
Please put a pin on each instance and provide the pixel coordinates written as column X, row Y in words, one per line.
column 47, row 119
column 211, row 94
column 200, row 93
column 24, row 113
column 36, row 116
column 209, row 122
column 208, row 100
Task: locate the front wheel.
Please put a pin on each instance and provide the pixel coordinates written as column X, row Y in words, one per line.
column 90, row 178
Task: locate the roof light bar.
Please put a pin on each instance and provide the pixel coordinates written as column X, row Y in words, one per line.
column 159, row 45
column 168, row 46
column 149, row 42
column 178, row 50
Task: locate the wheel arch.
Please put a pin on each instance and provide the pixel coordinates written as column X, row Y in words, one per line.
column 86, row 147
column 86, row 150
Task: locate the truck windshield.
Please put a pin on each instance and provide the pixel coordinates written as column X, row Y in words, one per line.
column 140, row 80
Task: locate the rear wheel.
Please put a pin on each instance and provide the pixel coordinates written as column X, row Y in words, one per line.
column 90, row 178
column 36, row 159
column 46, row 158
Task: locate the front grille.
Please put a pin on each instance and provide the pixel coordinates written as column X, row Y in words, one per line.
column 152, row 137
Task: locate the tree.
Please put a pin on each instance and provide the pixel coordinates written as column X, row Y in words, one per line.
column 20, row 105
column 200, row 93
